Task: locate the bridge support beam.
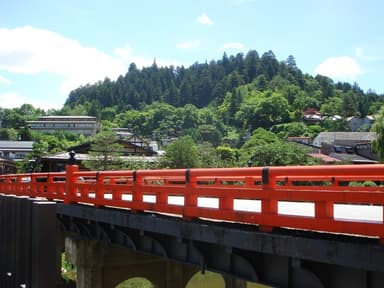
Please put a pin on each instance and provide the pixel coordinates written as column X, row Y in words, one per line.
column 105, row 266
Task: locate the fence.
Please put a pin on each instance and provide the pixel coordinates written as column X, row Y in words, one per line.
column 320, row 198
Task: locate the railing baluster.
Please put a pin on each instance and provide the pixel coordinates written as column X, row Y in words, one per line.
column 70, row 184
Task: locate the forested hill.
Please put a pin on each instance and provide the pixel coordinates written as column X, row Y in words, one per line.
column 198, row 85
column 202, row 84
column 244, row 92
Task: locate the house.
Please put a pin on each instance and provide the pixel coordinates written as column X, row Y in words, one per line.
column 353, row 147
column 81, row 125
column 135, row 148
column 360, row 124
column 7, row 166
column 12, row 152
column 324, row 159
column 15, row 150
column 312, row 116
column 301, row 139
column 344, row 138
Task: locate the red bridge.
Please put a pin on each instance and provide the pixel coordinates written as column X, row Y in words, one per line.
column 322, row 186
column 269, row 197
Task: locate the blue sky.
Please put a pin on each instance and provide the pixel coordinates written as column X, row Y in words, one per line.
column 48, row 48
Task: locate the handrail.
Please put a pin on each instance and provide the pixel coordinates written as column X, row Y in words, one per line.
column 261, row 191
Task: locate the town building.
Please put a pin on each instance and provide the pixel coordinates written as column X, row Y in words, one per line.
column 15, row 150
column 81, row 125
column 351, row 147
column 7, row 166
column 135, row 149
column 343, row 138
column 360, row 124
column 11, row 152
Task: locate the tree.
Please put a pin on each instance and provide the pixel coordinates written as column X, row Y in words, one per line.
column 349, row 104
column 252, row 60
column 332, row 106
column 105, row 152
column 209, row 133
column 269, row 65
column 291, row 62
column 228, row 155
column 182, row 153
column 208, row 157
column 280, row 154
column 290, row 129
column 378, row 127
column 263, row 110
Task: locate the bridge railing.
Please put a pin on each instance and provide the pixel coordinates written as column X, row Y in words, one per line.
column 302, row 197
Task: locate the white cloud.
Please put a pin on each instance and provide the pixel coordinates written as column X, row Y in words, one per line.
column 4, row 80
column 14, row 100
column 28, row 50
column 188, row 44
column 233, row 46
column 340, row 68
column 361, row 55
column 204, row 19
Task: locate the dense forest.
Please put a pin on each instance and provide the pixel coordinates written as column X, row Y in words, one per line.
column 236, row 94
column 241, row 102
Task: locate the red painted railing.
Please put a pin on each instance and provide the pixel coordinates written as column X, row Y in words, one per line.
column 248, row 195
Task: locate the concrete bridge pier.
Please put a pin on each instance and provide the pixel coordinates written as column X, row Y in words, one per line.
column 104, row 266
column 27, row 243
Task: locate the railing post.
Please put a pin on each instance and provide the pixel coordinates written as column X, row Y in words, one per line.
column 381, row 237
column 225, row 202
column 190, row 197
column 99, row 191
column 137, row 192
column 49, row 189
column 268, row 203
column 324, row 209
column 70, row 184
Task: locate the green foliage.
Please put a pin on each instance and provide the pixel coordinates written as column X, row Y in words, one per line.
column 378, row 127
column 336, row 125
column 218, row 102
column 264, row 148
column 260, row 137
column 332, row 106
column 290, row 129
column 280, row 154
column 136, row 282
column 227, row 153
column 105, row 152
column 182, row 153
column 68, row 270
column 8, row 134
column 263, row 110
column 362, row 184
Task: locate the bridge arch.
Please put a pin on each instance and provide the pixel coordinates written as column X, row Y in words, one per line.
column 136, row 282
column 212, row 279
column 206, row 279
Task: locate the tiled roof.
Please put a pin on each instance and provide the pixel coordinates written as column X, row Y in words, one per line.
column 332, row 137
column 354, row 158
column 16, row 145
column 324, row 158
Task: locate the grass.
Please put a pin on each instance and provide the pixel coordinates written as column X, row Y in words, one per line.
column 199, row 280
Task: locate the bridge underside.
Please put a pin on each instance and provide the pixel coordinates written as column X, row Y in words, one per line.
column 283, row 258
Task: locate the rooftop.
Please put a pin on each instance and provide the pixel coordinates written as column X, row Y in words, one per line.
column 16, row 145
